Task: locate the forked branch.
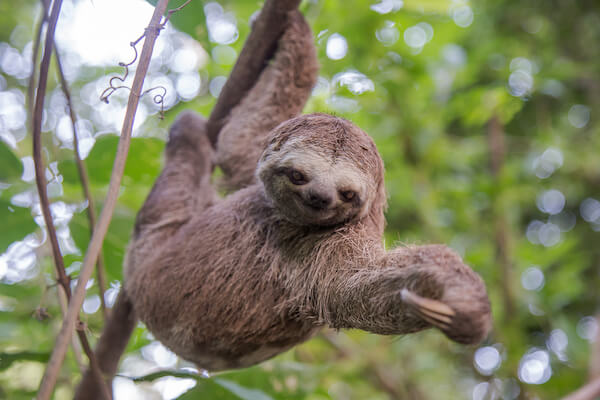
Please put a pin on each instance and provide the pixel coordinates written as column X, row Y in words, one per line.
column 70, row 320
column 41, row 183
column 83, row 177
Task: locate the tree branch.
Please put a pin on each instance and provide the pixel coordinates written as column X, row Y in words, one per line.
column 590, row 391
column 34, row 56
column 40, row 177
column 62, row 342
column 83, row 177
column 258, row 49
column 76, row 347
column 41, row 183
column 503, row 258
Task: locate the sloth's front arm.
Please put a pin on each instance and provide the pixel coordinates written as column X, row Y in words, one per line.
column 406, row 290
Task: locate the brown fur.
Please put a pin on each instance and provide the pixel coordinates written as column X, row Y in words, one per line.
column 280, row 94
column 239, row 281
column 227, row 283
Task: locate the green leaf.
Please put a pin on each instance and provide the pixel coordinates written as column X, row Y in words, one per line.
column 189, row 19
column 143, row 165
column 427, row 6
column 10, row 165
column 16, row 224
column 115, row 242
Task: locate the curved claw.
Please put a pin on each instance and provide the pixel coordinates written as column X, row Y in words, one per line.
column 432, row 311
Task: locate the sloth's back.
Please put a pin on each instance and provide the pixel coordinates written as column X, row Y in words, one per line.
column 209, row 289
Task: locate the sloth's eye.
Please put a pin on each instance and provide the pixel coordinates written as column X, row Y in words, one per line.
column 348, row 195
column 297, row 178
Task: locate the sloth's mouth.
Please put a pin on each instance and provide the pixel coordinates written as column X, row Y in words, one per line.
column 315, row 208
column 321, row 213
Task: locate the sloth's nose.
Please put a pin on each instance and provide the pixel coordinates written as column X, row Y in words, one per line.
column 319, row 201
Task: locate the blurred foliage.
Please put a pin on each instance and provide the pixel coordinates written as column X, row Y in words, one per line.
column 424, row 78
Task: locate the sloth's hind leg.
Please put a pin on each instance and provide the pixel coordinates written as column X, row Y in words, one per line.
column 182, row 189
column 279, row 94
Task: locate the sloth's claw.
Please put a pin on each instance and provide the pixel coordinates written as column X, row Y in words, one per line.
column 433, row 322
column 431, row 311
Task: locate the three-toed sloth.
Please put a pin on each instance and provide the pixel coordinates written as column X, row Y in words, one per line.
column 230, row 282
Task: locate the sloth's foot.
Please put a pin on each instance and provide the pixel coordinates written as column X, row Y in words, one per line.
column 464, row 324
column 189, row 143
column 189, row 131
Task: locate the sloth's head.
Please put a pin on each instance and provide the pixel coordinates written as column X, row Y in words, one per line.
column 322, row 170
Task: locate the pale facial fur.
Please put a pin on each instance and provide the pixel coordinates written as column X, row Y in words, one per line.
column 331, row 191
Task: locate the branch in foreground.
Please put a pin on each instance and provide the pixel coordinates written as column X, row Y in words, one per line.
column 65, row 293
column 37, row 155
column 590, row 391
column 34, row 56
column 62, row 342
column 83, row 177
column 258, row 49
column 41, row 183
column 76, row 347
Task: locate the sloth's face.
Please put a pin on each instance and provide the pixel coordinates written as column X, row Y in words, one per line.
column 310, row 189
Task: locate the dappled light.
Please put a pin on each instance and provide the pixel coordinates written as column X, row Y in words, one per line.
column 535, row 367
column 533, row 278
column 486, row 116
column 487, row 360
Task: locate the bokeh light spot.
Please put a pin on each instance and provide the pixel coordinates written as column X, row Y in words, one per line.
column 532, row 278
column 337, row 47
column 356, row 82
column 389, row 34
column 387, row 6
column 91, row 304
column 221, row 26
column 550, row 160
column 188, row 85
column 579, row 115
column 558, row 342
column 590, row 210
column 534, row 367
column 415, row 37
column 462, row 16
column 587, row 328
column 159, row 354
column 551, row 201
column 487, row 359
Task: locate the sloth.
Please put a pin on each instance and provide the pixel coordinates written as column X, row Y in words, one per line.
column 251, row 275
column 296, row 246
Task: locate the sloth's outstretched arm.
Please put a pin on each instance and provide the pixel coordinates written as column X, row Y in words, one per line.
column 280, row 94
column 182, row 188
column 407, row 290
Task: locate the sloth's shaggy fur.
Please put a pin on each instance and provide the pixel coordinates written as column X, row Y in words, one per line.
column 233, row 283
column 227, row 283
